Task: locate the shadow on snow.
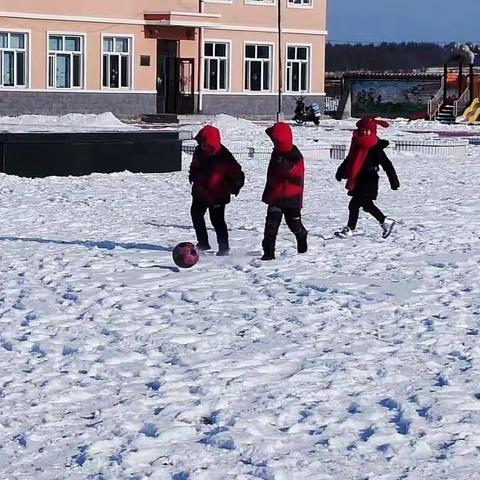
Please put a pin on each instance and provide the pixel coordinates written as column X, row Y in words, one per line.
column 105, row 244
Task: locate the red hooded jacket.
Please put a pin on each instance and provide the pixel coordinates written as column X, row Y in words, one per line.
column 214, row 172
column 285, row 175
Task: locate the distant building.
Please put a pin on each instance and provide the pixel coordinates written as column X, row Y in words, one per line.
column 149, row 56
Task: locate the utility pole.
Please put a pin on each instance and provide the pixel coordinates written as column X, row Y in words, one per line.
column 200, row 72
column 279, row 60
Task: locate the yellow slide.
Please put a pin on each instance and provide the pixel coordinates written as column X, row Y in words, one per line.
column 471, row 114
column 475, row 115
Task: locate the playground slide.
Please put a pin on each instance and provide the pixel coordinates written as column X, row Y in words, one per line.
column 471, row 114
column 475, row 115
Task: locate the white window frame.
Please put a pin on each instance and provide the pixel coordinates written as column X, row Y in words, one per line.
column 264, row 3
column 131, row 62
column 83, row 62
column 309, row 48
column 27, row 42
column 303, row 4
column 228, row 67
column 271, row 45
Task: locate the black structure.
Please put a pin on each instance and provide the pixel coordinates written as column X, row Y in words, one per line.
column 461, row 55
column 62, row 154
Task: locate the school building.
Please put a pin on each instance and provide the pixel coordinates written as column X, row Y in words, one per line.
column 135, row 57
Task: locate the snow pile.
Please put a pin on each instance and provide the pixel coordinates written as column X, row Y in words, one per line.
column 358, row 360
column 232, row 125
column 234, row 129
column 59, row 123
column 427, row 126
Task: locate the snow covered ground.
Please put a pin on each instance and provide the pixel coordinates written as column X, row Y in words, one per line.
column 358, row 360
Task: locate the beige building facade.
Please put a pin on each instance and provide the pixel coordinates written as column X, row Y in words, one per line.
column 133, row 57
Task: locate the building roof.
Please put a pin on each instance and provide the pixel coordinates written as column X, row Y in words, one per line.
column 385, row 75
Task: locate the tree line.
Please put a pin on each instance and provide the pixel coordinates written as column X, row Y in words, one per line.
column 384, row 57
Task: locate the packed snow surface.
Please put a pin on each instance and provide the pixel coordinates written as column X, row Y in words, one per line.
column 358, row 360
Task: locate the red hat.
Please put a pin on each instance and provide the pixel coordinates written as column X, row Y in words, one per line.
column 209, row 136
column 371, row 123
column 281, row 136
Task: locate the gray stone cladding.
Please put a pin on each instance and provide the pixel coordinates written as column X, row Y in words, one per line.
column 135, row 104
column 251, row 105
column 59, row 103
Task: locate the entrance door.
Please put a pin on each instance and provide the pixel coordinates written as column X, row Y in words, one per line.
column 166, row 59
column 185, row 74
column 175, row 78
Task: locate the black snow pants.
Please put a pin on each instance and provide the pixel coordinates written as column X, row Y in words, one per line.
column 217, row 217
column 356, row 203
column 293, row 218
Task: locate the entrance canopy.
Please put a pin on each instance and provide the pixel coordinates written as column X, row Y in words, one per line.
column 181, row 19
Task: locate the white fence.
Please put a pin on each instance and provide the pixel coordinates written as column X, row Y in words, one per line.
column 440, row 147
column 312, row 152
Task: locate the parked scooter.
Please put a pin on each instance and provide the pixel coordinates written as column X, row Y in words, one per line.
column 305, row 114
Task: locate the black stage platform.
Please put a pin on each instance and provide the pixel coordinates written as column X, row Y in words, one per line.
column 80, row 153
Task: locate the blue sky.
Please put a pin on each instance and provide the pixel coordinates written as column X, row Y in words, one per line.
column 404, row 20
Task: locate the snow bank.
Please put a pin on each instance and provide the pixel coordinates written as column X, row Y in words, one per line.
column 59, row 123
column 235, row 131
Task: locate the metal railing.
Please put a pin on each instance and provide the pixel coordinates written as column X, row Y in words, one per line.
column 434, row 104
column 237, row 152
column 311, row 152
column 461, row 103
column 438, row 147
column 338, row 152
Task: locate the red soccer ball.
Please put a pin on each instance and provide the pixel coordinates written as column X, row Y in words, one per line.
column 185, row 255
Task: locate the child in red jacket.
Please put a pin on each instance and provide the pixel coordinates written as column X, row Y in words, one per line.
column 284, row 190
column 360, row 168
column 214, row 175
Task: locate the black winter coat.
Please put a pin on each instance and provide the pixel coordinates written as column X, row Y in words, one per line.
column 367, row 180
column 215, row 177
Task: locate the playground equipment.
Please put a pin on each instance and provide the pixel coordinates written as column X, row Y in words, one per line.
column 471, row 114
column 445, row 107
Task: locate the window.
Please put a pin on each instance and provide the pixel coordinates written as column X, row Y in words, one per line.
column 268, row 2
column 13, row 59
column 301, row 3
column 298, row 71
column 258, row 67
column 117, row 62
column 216, row 56
column 65, row 61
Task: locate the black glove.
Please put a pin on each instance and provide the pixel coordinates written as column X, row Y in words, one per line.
column 235, row 187
column 338, row 174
